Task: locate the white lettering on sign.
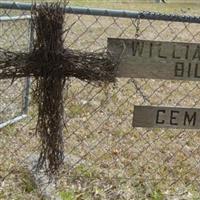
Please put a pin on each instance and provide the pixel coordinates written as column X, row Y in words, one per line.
column 166, row 117
column 156, row 60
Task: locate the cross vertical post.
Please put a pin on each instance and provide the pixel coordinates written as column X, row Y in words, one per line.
column 48, row 22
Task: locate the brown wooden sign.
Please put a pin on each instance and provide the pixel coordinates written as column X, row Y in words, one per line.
column 156, row 60
column 166, row 117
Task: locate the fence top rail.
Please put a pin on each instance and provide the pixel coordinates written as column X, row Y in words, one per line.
column 14, row 18
column 109, row 13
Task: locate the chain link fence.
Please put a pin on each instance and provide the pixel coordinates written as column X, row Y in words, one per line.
column 16, row 35
column 105, row 157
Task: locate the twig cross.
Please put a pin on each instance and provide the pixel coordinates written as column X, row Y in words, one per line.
column 50, row 63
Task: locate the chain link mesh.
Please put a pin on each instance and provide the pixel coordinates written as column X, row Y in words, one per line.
column 105, row 157
column 14, row 36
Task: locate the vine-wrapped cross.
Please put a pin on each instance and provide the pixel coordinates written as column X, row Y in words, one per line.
column 50, row 63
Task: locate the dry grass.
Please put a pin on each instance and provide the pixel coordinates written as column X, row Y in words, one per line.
column 108, row 159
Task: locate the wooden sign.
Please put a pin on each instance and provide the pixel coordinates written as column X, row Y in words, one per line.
column 155, row 60
column 166, row 117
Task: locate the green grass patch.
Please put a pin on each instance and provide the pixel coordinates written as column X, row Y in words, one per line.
column 67, row 195
column 83, row 171
column 27, row 182
column 157, row 195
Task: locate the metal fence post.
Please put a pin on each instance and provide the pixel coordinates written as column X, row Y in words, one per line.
column 26, row 95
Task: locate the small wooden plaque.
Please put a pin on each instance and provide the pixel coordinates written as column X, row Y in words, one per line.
column 166, row 117
column 155, row 60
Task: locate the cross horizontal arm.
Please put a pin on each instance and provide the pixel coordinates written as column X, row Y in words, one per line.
column 84, row 66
